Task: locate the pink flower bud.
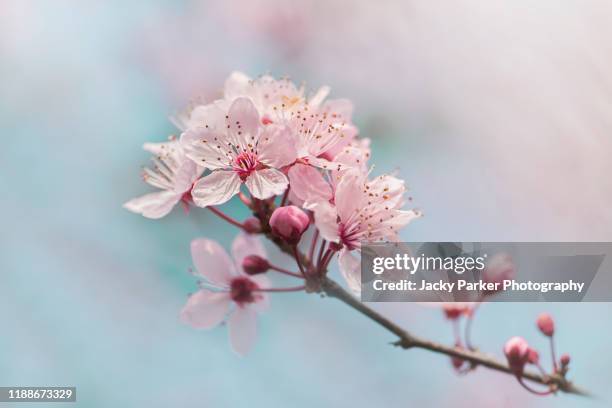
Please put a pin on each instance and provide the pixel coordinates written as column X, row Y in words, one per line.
column 534, row 356
column 517, row 353
column 254, row 264
column 289, row 223
column 252, row 225
column 454, row 311
column 565, row 360
column 546, row 324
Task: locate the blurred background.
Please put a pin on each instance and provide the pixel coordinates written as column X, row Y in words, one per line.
column 497, row 113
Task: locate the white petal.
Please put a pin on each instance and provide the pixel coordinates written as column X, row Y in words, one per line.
column 153, row 205
column 266, row 183
column 205, row 309
column 319, row 96
column 210, row 115
column 243, row 329
column 162, row 148
column 245, row 245
column 238, row 84
column 276, row 147
column 216, row 188
column 308, row 184
column 243, row 122
column 207, row 148
column 350, row 267
column 348, row 195
column 211, row 261
column 326, row 220
column 186, row 174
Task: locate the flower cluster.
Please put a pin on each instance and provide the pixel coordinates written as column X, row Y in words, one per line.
column 519, row 354
column 297, row 161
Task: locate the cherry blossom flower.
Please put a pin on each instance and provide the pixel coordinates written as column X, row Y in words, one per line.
column 230, row 292
column 173, row 173
column 362, row 211
column 244, row 151
column 319, row 128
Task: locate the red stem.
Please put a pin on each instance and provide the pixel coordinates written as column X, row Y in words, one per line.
column 313, row 245
column 281, row 290
column 296, row 255
column 531, row 390
column 285, row 196
column 225, row 217
column 320, row 256
column 285, row 271
column 468, row 327
column 553, row 354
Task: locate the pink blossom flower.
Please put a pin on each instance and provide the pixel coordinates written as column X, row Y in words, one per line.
column 232, row 291
column 173, row 173
column 361, row 211
column 242, row 152
column 517, row 353
column 319, row 128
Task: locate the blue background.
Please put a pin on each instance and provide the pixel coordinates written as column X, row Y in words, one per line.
column 496, row 115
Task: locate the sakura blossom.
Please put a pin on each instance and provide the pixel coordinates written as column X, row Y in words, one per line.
column 362, row 210
column 245, row 152
column 173, row 173
column 230, row 292
column 318, row 128
column 299, row 167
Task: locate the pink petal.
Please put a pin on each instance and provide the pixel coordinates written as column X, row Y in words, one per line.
column 326, row 220
column 216, row 188
column 245, row 245
column 266, row 183
column 186, row 174
column 243, row 122
column 238, row 84
column 350, row 268
column 159, row 148
column 243, row 329
column 308, row 184
column 348, row 194
column 318, row 98
column 205, row 309
column 202, row 146
column 276, row 147
column 211, row 261
column 153, row 205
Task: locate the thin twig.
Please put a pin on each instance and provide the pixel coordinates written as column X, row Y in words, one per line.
column 320, row 283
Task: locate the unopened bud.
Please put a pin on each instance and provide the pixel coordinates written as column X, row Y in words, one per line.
column 534, row 356
column 517, row 353
column 546, row 324
column 252, row 225
column 255, row 264
column 454, row 311
column 289, row 223
column 565, row 360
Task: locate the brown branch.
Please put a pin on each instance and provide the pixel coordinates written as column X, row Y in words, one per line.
column 407, row 340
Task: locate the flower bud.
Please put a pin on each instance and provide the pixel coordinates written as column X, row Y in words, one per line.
column 517, row 353
column 565, row 360
column 546, row 324
column 534, row 356
column 454, row 311
column 289, row 223
column 252, row 225
column 254, row 264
